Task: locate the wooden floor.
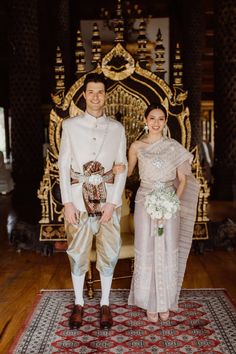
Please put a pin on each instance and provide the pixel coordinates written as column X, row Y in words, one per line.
column 24, row 274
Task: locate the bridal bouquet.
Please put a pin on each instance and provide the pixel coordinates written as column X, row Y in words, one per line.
column 161, row 204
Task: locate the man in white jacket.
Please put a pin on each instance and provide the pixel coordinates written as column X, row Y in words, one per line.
column 90, row 145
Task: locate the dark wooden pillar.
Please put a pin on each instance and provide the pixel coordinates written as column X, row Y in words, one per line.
column 64, row 40
column 193, row 39
column 25, row 105
column 225, row 100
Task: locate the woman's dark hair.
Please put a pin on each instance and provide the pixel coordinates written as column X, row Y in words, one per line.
column 94, row 77
column 155, row 106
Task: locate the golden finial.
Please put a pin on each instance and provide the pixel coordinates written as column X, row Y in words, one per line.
column 160, row 53
column 142, row 44
column 59, row 71
column 79, row 55
column 96, row 45
column 58, row 94
column 118, row 24
column 178, row 68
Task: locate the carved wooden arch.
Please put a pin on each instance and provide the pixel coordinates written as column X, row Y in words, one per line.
column 130, row 90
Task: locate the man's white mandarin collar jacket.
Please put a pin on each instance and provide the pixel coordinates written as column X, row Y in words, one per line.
column 85, row 138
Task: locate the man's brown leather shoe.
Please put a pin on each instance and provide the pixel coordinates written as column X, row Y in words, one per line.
column 105, row 317
column 76, row 317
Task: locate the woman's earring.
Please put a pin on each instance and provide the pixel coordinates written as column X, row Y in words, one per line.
column 146, row 128
column 165, row 131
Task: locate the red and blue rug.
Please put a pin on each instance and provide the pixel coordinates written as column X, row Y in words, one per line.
column 205, row 323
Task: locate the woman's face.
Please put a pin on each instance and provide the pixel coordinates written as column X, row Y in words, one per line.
column 156, row 121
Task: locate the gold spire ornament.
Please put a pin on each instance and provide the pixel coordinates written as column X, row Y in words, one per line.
column 96, row 45
column 142, row 45
column 79, row 55
column 118, row 24
column 178, row 68
column 159, row 55
column 59, row 92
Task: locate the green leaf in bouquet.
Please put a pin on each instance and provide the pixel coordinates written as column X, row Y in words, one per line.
column 160, row 231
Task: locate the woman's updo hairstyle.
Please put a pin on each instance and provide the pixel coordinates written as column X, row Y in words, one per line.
column 153, row 106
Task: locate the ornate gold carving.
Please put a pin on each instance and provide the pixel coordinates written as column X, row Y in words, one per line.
column 52, row 232
column 159, row 52
column 79, row 55
column 142, row 55
column 126, row 105
column 153, row 77
column 208, row 122
column 51, row 208
column 126, row 102
column 180, row 95
column 118, row 64
column 118, row 24
column 178, row 68
column 54, row 132
column 185, row 126
column 96, row 45
column 58, row 95
column 200, row 230
column 74, row 110
column 165, row 103
column 59, row 71
column 72, row 91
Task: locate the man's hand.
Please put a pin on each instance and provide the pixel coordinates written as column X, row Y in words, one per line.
column 107, row 211
column 70, row 213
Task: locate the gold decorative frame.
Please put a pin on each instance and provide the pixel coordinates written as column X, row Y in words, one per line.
column 131, row 89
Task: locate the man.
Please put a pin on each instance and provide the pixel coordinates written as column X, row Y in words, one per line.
column 90, row 145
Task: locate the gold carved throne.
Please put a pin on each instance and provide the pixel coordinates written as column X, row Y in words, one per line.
column 131, row 88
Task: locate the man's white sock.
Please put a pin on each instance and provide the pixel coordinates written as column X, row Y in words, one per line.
column 106, row 287
column 78, row 285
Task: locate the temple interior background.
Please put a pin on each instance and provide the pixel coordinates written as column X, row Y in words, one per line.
column 42, row 55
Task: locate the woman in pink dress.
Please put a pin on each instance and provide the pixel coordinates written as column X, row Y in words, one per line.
column 160, row 261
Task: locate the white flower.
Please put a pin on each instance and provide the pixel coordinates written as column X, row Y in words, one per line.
column 95, row 179
column 161, row 203
column 168, row 216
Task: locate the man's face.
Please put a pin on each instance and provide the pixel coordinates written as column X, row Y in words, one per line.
column 95, row 97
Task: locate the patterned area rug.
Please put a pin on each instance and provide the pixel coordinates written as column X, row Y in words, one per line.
column 205, row 323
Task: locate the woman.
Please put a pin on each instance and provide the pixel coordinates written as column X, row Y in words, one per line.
column 160, row 261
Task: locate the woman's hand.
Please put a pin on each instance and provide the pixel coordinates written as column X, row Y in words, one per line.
column 118, row 168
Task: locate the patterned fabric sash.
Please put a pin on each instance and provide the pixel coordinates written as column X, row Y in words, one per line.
column 93, row 188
